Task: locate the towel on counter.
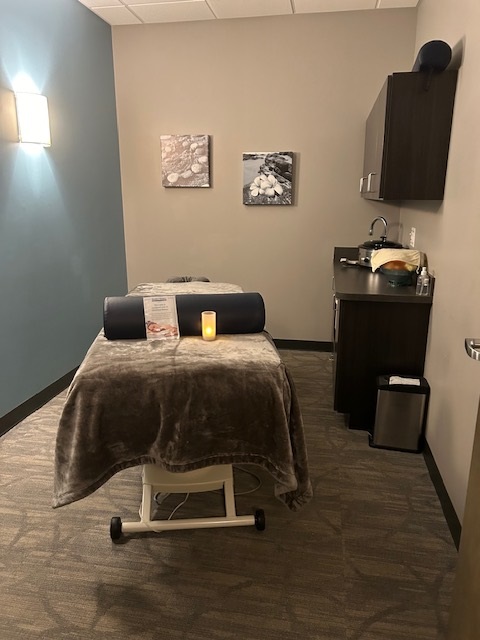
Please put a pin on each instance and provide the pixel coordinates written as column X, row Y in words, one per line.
column 382, row 256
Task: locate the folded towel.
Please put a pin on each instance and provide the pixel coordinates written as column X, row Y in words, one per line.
column 382, row 256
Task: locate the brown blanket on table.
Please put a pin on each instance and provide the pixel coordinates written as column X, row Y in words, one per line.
column 182, row 404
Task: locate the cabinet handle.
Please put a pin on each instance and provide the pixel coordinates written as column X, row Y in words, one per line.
column 362, row 180
column 336, row 312
column 369, row 181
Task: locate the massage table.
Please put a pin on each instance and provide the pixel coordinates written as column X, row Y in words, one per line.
column 186, row 410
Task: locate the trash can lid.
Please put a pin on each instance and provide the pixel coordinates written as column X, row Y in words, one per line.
column 407, row 383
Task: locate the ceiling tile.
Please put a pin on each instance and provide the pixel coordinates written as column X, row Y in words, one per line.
column 394, row 4
column 250, row 8
column 173, row 11
column 315, row 6
column 116, row 15
column 137, row 11
column 101, row 3
column 132, row 2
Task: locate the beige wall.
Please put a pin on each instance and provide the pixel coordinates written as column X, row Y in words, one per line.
column 301, row 83
column 448, row 233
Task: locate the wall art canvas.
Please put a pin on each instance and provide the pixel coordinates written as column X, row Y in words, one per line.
column 185, row 160
column 268, row 177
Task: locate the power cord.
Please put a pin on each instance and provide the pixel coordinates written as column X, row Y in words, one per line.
column 160, row 497
column 178, row 506
column 250, row 473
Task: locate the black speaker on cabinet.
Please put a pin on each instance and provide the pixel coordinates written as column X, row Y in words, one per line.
column 433, row 56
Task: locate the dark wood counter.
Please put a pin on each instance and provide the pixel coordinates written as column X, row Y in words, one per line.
column 378, row 330
column 354, row 282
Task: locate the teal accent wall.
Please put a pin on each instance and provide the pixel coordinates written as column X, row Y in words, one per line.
column 62, row 246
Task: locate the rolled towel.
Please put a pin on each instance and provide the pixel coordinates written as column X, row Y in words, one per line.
column 124, row 317
column 380, row 257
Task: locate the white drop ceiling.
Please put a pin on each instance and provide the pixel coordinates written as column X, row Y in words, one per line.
column 122, row 12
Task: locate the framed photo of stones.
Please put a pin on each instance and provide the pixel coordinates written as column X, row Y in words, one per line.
column 185, row 160
column 268, row 177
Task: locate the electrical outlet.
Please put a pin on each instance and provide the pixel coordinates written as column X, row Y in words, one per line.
column 412, row 237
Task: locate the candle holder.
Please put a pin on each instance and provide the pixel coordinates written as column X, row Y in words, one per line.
column 209, row 325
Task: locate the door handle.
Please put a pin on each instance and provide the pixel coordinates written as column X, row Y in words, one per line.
column 472, row 347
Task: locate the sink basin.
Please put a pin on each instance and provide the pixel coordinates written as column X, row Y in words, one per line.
column 380, row 244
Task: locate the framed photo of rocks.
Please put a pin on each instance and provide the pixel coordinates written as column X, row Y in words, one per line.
column 268, row 177
column 185, row 160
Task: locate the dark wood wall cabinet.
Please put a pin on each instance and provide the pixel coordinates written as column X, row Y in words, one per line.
column 377, row 330
column 408, row 136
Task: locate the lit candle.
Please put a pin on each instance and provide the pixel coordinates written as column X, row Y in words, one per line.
column 209, row 325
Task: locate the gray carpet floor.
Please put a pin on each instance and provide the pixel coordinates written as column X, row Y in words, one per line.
column 370, row 558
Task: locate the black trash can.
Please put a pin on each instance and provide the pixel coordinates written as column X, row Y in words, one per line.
column 401, row 413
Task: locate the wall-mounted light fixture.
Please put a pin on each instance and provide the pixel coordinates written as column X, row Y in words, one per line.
column 32, row 117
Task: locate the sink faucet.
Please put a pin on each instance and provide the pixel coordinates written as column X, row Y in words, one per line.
column 370, row 233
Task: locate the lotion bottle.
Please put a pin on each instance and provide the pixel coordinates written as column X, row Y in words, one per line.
column 420, row 280
column 426, row 284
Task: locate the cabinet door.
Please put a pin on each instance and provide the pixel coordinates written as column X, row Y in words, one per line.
column 418, row 122
column 373, row 339
column 336, row 315
column 374, row 145
column 407, row 137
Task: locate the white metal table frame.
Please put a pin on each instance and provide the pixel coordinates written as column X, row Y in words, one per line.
column 156, row 480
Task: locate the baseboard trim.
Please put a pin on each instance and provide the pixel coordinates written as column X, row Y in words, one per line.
column 447, row 507
column 303, row 345
column 21, row 412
